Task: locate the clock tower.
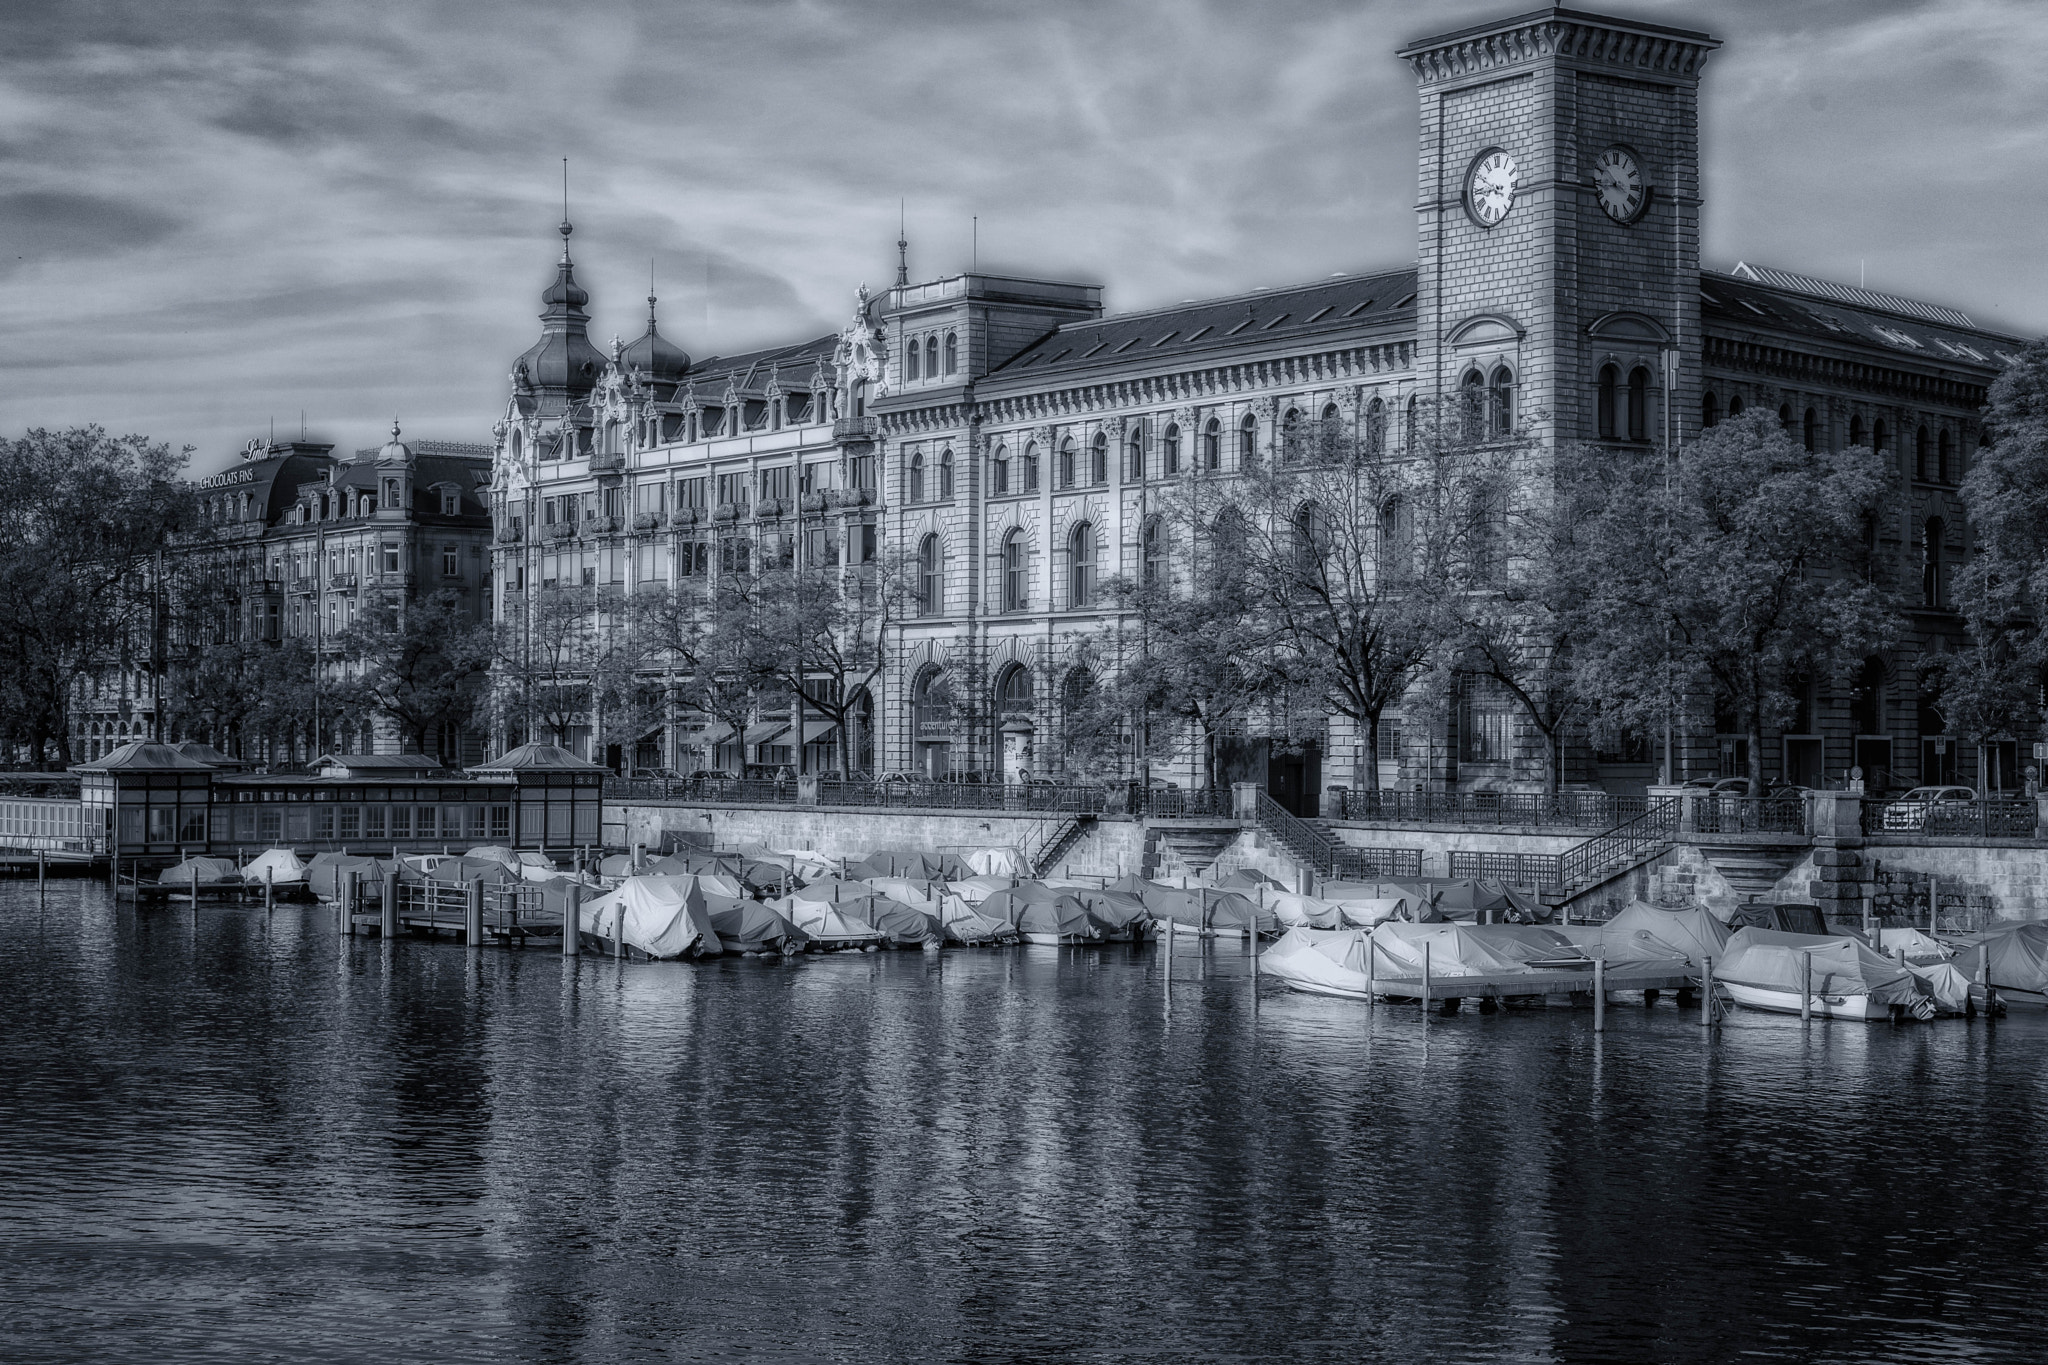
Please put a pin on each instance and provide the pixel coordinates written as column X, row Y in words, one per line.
column 1558, row 211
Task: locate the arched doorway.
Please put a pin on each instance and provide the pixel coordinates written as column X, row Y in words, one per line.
column 1016, row 723
column 860, row 739
column 931, row 724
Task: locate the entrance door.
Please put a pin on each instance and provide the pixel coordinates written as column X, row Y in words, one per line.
column 1803, row 762
column 1294, row 778
column 1874, row 756
column 934, row 761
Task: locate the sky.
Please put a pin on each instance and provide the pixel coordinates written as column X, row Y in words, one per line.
column 216, row 216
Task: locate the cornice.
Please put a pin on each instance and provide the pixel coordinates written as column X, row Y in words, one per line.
column 1779, row 362
column 1586, row 40
column 1348, row 364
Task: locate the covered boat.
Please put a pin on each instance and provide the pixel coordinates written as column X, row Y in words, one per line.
column 201, row 871
column 1918, row 945
column 1366, row 913
column 277, row 866
column 1649, row 933
column 964, row 922
column 655, row 915
column 998, row 862
column 978, row 888
column 748, row 926
column 1043, row 914
column 1304, row 912
column 1119, row 914
column 1488, row 950
column 2014, row 963
column 329, row 872
column 527, row 863
column 1207, row 912
column 1767, row 969
column 827, row 924
column 1321, row 961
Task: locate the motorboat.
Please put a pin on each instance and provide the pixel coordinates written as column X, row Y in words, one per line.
column 1837, row 978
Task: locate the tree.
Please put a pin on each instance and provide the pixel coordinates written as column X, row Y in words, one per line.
column 82, row 514
column 822, row 635
column 544, row 658
column 421, row 663
column 1732, row 563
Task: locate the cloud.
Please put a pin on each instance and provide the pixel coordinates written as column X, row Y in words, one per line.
column 247, row 208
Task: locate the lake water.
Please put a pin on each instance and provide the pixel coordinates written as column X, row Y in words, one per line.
column 230, row 1139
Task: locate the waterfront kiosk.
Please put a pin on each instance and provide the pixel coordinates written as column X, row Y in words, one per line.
column 560, row 797
column 146, row 799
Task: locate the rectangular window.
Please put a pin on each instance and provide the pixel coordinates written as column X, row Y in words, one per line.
column 451, row 561
column 690, row 492
column 865, row 545
column 270, row 824
column 351, row 823
column 192, row 825
column 501, row 822
column 390, row 556
column 401, row 822
column 323, row 824
column 373, row 822
column 779, row 483
column 424, row 824
column 451, row 502
column 863, row 472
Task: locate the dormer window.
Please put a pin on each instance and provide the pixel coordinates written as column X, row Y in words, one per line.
column 391, row 493
column 451, row 502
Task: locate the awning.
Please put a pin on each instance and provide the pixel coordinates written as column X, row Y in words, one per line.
column 818, row 731
column 716, row 735
column 766, row 731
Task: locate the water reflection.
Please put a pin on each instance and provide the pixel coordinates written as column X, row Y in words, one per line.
column 226, row 1136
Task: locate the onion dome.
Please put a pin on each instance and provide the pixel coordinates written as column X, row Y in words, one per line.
column 654, row 355
column 563, row 363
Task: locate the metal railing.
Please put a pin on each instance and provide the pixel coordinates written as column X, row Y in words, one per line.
column 1647, row 833
column 1993, row 818
column 990, row 796
column 1177, row 803
column 1522, row 869
column 1749, row 814
column 1327, row 856
column 1594, row 810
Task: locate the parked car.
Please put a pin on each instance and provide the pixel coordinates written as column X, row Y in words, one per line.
column 710, row 775
column 1930, row 809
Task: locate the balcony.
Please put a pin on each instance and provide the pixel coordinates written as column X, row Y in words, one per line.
column 341, row 582
column 857, row 429
column 601, row 461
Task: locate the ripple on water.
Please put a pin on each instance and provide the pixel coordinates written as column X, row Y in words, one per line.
column 227, row 1137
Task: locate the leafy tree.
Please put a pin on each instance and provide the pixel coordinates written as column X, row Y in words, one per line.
column 1731, row 564
column 823, row 633
column 422, row 663
column 82, row 514
column 544, row 663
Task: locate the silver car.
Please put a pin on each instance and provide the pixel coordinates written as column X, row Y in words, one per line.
column 1931, row 809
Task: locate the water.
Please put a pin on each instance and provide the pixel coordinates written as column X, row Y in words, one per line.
column 223, row 1138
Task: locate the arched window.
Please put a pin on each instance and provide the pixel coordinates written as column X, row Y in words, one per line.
column 1411, row 430
column 1015, row 593
column 912, row 355
column 1329, row 432
column 1081, row 567
column 1932, row 585
column 1212, row 445
column 1075, row 694
column 1809, row 432
column 1134, row 458
column 613, row 440
column 1098, row 459
column 1067, row 463
column 860, row 398
column 1247, row 440
column 1226, row 546
column 1031, row 467
column 1396, row 540
column 945, row 474
column 860, row 718
column 1709, row 411
column 931, row 357
column 1472, row 406
column 916, row 491
column 1920, row 452
column 999, row 471
column 930, row 587
column 931, row 704
column 1639, row 404
column 1785, row 418
column 1878, row 436
column 1944, row 468
column 1376, row 428
column 1169, row 449
column 1501, row 406
column 1013, row 693
column 1855, row 429
column 1311, row 540
column 1735, row 406
column 1291, row 445
column 1154, row 551
column 1604, row 410
column 952, row 353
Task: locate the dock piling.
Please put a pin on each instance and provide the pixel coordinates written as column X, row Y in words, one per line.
column 1806, row 987
column 473, row 916
column 348, row 900
column 1707, row 991
column 1600, row 993
column 388, row 919
column 572, row 920
column 269, row 888
column 42, row 871
column 1425, row 983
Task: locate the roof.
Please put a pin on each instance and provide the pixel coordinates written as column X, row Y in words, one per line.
column 375, row 763
column 207, row 754
column 1816, row 309
column 143, row 756
column 1292, row 316
column 537, row 758
column 749, row 371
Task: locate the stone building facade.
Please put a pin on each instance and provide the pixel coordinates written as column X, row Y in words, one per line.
column 1013, row 444
column 293, row 541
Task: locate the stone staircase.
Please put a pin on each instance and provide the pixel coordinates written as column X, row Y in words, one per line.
column 1173, row 849
column 1752, row 871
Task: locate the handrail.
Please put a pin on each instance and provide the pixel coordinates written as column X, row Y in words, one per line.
column 1600, row 810
column 1654, row 826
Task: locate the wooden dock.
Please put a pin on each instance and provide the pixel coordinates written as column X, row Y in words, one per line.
column 1675, row 975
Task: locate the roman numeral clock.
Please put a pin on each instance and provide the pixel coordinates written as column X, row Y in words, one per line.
column 1619, row 181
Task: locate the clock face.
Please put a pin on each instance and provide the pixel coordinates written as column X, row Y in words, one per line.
column 1490, row 187
column 1623, row 191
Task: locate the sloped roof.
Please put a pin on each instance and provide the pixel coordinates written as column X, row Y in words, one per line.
column 375, row 763
column 537, row 758
column 207, row 754
column 1294, row 316
column 1782, row 302
column 749, row 371
column 143, row 756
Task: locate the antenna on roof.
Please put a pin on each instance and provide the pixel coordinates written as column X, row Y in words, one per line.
column 902, row 244
column 566, row 228
column 974, row 247
column 650, row 296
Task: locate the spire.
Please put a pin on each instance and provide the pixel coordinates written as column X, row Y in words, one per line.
column 562, row 366
column 902, row 247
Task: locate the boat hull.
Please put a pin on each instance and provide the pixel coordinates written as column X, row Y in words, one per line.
column 1770, row 1001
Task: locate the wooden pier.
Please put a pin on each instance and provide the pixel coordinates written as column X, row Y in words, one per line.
column 1676, row 975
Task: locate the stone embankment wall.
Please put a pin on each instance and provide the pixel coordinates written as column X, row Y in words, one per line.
column 1439, row 842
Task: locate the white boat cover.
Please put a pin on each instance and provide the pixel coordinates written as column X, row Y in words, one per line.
column 1772, row 960
column 329, row 871
column 964, row 922
column 999, row 862
column 1949, row 988
column 808, row 864
column 202, row 870
column 1920, row 946
column 1303, row 912
column 1364, row 914
column 2016, row 960
column 660, row 916
column 826, row 922
column 1649, row 933
column 919, row 895
column 745, row 926
column 1324, row 961
column 1458, row 949
column 976, row 889
column 282, row 865
column 496, row 853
